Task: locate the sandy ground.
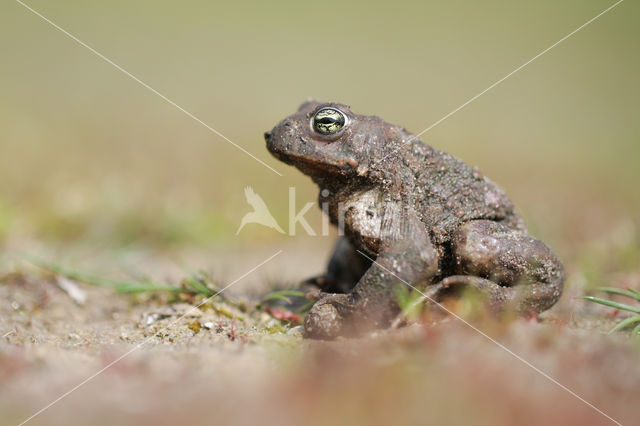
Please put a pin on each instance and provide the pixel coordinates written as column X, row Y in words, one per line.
column 138, row 360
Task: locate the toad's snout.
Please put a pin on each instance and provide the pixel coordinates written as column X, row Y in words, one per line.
column 279, row 140
column 271, row 141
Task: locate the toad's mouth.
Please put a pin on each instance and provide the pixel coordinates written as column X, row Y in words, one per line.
column 325, row 169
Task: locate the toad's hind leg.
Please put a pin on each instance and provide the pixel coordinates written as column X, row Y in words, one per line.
column 516, row 270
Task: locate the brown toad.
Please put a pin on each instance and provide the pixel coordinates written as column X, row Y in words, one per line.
column 411, row 214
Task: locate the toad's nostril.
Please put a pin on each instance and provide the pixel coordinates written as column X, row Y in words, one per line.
column 267, row 136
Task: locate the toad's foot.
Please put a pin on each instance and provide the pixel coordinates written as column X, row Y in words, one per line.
column 326, row 318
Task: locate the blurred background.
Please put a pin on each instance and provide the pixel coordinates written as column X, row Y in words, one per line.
column 89, row 157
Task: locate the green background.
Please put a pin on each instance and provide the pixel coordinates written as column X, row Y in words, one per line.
column 89, row 155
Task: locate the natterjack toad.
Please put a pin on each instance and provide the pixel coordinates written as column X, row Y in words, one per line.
column 411, row 214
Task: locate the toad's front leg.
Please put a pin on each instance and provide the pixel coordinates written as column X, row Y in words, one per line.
column 407, row 257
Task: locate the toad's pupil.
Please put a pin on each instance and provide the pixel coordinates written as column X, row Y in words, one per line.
column 328, row 121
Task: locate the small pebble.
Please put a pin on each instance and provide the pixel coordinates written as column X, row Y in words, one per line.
column 297, row 331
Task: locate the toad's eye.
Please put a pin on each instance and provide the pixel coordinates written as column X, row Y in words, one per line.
column 328, row 121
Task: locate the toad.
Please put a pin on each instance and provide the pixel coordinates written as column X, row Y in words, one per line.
column 411, row 215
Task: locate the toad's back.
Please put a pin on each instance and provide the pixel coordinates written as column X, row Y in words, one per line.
column 448, row 192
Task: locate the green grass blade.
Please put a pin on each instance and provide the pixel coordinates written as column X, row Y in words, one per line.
column 141, row 288
column 636, row 330
column 118, row 286
column 305, row 308
column 293, row 293
column 625, row 323
column 402, row 296
column 620, row 292
column 612, row 304
column 198, row 286
column 285, row 299
column 284, row 295
column 198, row 280
column 634, row 291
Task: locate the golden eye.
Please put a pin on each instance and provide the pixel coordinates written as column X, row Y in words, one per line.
column 328, row 121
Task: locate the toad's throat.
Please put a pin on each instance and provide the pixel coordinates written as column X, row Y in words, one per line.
column 325, row 169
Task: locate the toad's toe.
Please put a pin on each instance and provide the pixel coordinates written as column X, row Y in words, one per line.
column 323, row 322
